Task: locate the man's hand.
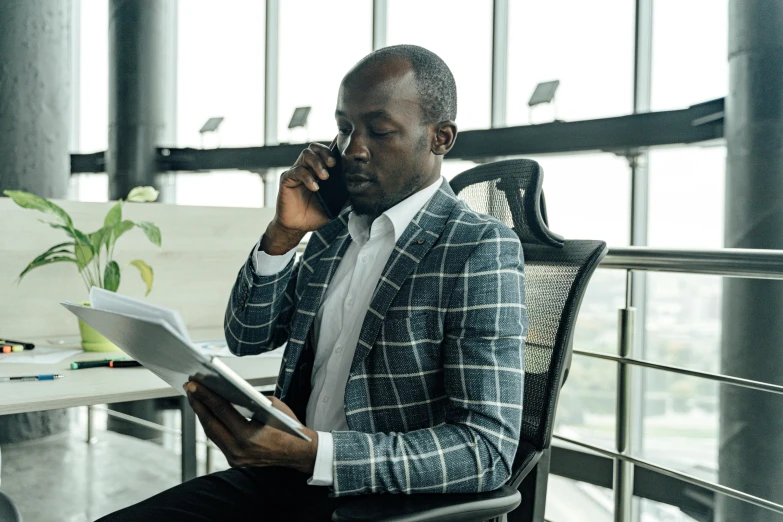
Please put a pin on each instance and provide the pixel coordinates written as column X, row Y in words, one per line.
column 250, row 443
column 298, row 210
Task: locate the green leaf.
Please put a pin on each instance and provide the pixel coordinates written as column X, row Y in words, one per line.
column 143, row 194
column 151, row 230
column 111, row 276
column 114, row 215
column 56, row 249
column 33, row 202
column 120, row 228
column 46, row 261
column 146, row 273
column 100, row 237
column 84, row 254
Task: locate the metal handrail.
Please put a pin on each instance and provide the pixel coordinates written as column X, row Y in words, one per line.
column 731, row 262
column 719, row 377
column 685, row 477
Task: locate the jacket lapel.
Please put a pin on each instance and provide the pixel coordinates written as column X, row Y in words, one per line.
column 418, row 238
column 321, row 262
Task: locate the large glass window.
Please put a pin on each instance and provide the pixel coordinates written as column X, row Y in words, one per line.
column 319, row 43
column 93, row 132
column 460, row 32
column 690, row 53
column 588, row 46
column 220, row 64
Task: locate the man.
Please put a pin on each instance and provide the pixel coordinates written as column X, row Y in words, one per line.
column 404, row 321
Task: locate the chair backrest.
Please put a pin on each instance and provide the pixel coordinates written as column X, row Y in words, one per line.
column 556, row 275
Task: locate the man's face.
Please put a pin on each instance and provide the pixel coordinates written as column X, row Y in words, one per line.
column 384, row 143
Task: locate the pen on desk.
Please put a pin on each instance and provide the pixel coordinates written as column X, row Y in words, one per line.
column 123, row 364
column 45, row 377
column 27, row 346
column 8, row 348
column 78, row 365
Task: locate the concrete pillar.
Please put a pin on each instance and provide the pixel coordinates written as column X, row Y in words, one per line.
column 35, row 96
column 35, row 90
column 142, row 117
column 751, row 424
column 142, row 91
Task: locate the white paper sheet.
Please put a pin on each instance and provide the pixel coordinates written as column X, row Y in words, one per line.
column 39, row 355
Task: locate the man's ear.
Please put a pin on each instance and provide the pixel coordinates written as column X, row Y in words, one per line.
column 445, row 136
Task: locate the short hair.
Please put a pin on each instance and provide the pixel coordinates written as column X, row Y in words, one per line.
column 434, row 81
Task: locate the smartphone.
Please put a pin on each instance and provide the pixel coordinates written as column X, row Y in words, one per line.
column 333, row 192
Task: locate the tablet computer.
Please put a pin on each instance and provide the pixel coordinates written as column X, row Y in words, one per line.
column 166, row 353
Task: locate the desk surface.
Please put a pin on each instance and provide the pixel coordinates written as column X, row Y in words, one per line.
column 105, row 385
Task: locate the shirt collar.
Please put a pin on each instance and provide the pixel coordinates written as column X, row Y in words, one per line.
column 395, row 220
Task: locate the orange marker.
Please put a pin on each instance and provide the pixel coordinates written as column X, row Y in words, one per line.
column 8, row 348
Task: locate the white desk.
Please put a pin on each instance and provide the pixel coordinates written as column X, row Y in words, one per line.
column 90, row 386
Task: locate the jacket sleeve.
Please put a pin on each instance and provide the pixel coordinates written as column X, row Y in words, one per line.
column 483, row 367
column 259, row 310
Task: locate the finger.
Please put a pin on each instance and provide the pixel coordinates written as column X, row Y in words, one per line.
column 219, row 408
column 280, row 405
column 325, row 153
column 299, row 175
column 213, row 428
column 316, row 160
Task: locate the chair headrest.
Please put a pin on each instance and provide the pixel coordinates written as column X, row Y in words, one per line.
column 510, row 189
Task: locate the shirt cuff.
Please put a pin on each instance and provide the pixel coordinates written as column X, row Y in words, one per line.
column 266, row 265
column 324, row 458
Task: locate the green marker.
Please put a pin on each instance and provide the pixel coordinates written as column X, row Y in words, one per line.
column 78, row 365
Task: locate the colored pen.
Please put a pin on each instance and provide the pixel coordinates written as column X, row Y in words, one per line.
column 124, row 364
column 8, row 348
column 46, row 377
column 27, row 346
column 78, row 365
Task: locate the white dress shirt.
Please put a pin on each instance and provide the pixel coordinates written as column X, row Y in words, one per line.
column 339, row 320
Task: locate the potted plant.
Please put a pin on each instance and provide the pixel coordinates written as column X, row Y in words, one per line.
column 93, row 253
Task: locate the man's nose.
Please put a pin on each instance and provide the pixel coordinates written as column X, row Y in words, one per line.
column 356, row 148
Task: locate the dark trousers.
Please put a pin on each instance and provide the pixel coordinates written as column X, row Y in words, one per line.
column 236, row 494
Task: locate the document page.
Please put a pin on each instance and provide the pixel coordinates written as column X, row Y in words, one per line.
column 112, row 302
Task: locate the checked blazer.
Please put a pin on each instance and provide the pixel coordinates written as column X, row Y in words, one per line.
column 434, row 396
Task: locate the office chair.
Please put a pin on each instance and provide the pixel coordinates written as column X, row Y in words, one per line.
column 8, row 511
column 556, row 275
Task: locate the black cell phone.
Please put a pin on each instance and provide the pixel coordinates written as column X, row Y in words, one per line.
column 333, row 192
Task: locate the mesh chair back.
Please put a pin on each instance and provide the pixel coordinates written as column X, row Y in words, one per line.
column 556, row 274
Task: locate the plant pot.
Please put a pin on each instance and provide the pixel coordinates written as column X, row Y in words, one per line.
column 92, row 341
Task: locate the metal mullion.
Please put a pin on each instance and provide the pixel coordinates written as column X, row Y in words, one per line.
column 499, row 94
column 685, row 477
column 724, row 379
column 380, row 15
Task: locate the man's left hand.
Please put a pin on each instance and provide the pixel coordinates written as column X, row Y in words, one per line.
column 248, row 442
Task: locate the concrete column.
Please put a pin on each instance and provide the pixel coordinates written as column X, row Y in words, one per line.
column 35, row 97
column 751, row 424
column 35, row 93
column 142, row 91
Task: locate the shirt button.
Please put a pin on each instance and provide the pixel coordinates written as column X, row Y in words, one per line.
column 365, row 258
column 338, row 349
column 349, row 302
column 326, row 398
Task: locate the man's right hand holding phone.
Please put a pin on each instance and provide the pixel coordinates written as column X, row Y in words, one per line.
column 298, row 209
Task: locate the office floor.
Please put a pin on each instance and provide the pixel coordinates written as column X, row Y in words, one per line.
column 63, row 479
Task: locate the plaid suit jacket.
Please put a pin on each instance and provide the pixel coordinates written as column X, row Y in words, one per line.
column 434, row 396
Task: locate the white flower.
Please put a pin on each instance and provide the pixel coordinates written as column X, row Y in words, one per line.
column 143, row 194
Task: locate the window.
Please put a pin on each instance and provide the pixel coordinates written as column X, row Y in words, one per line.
column 588, row 46
column 220, row 64
column 319, row 43
column 690, row 53
column 461, row 34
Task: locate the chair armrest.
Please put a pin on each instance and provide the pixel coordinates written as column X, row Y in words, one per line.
column 431, row 507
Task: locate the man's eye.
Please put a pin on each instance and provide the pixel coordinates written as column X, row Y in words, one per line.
column 343, row 130
column 380, row 133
